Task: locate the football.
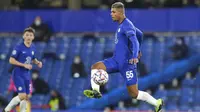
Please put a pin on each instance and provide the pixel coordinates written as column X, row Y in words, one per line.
column 100, row 77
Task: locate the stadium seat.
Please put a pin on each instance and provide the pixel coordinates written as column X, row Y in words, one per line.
column 45, row 70
column 109, row 44
column 197, row 97
column 37, row 99
column 51, row 47
column 186, row 97
column 161, row 94
column 58, row 73
column 173, row 97
column 187, row 83
column 132, row 109
column 145, row 107
column 185, row 108
column 196, row 108
column 197, row 80
column 172, row 107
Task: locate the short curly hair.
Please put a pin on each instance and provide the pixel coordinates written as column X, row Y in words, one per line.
column 29, row 29
column 118, row 5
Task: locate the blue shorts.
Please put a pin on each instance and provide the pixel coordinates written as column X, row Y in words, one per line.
column 128, row 71
column 22, row 84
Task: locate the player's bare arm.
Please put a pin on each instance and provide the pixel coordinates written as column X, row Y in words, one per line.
column 13, row 61
column 139, row 54
column 37, row 62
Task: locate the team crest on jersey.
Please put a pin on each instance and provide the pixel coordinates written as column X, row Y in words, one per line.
column 19, row 88
column 14, row 52
column 32, row 52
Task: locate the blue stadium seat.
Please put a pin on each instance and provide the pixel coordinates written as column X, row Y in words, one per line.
column 50, row 47
column 46, row 99
column 109, row 44
column 196, row 108
column 145, row 107
column 188, row 83
column 115, row 80
column 2, row 64
column 161, row 94
column 76, row 94
column 62, row 40
column 5, row 48
column 40, row 46
column 4, row 84
column 157, row 56
column 185, row 108
column 37, row 99
column 86, row 53
column 147, row 50
column 173, row 97
column 63, row 44
column 197, row 80
column 197, row 97
column 46, row 69
column 66, row 74
column 58, row 72
column 172, row 107
column 186, row 97
column 132, row 109
column 75, row 47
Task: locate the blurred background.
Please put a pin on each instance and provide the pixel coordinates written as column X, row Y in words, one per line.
column 71, row 35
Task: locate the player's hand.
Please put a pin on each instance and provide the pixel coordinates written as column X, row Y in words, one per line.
column 28, row 66
column 133, row 61
column 139, row 55
column 39, row 64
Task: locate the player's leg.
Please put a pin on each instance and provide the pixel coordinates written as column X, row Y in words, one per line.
column 23, row 103
column 129, row 74
column 144, row 96
column 95, row 92
column 21, row 93
column 94, row 69
column 108, row 65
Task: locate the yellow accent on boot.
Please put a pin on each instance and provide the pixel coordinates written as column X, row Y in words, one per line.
column 89, row 93
column 158, row 108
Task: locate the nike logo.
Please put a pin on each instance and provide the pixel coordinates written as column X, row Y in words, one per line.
column 23, row 52
column 129, row 79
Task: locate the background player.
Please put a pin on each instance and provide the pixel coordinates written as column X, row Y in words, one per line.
column 124, row 59
column 22, row 57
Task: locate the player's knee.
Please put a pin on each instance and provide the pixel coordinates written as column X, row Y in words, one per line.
column 98, row 65
column 22, row 96
column 133, row 94
column 95, row 66
column 27, row 97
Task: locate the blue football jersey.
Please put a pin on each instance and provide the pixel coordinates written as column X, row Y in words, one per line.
column 125, row 35
column 24, row 55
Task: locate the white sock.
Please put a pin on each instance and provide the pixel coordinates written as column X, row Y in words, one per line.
column 23, row 106
column 12, row 103
column 144, row 96
column 93, row 84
